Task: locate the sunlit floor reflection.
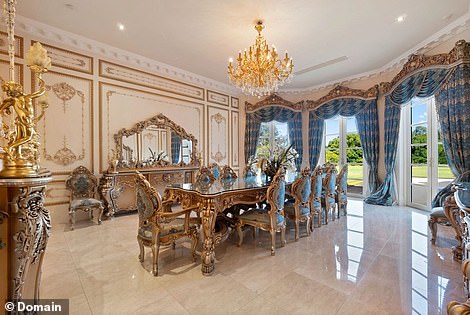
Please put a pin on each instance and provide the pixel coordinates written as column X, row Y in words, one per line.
column 375, row 260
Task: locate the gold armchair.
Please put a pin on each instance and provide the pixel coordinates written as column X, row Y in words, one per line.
column 215, row 169
column 228, row 173
column 82, row 185
column 299, row 211
column 157, row 227
column 270, row 219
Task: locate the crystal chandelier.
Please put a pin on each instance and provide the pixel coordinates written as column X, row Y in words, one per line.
column 259, row 71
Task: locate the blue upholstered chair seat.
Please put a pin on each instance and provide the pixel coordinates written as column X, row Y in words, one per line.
column 290, row 210
column 438, row 212
column 317, row 204
column 260, row 216
column 174, row 226
column 84, row 202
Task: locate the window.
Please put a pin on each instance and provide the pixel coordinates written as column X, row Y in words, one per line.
column 342, row 145
column 273, row 137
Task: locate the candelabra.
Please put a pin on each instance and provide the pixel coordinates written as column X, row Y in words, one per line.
column 21, row 153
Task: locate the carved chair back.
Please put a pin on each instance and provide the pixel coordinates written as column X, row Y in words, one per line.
column 149, row 202
column 228, row 173
column 342, row 180
column 82, row 183
column 215, row 169
column 301, row 188
column 329, row 182
column 204, row 176
column 317, row 184
column 276, row 196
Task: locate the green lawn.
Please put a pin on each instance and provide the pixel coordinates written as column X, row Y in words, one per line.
column 355, row 175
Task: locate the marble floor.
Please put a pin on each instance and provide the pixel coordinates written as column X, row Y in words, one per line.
column 376, row 260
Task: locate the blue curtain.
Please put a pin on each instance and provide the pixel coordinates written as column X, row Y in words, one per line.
column 175, row 148
column 315, row 138
column 453, row 110
column 421, row 84
column 368, row 129
column 267, row 114
column 367, row 125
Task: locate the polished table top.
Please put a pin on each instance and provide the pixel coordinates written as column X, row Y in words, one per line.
column 220, row 186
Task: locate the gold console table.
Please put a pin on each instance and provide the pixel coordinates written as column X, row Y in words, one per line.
column 24, row 231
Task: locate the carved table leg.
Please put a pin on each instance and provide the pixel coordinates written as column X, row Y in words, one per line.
column 24, row 232
column 208, row 221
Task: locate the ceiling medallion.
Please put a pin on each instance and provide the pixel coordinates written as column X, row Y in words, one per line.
column 259, row 71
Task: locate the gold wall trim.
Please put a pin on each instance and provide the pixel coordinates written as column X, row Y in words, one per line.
column 19, row 45
column 235, row 102
column 343, row 92
column 197, row 106
column 417, row 63
column 274, row 100
column 234, row 149
column 67, row 59
column 134, row 76
column 91, row 119
column 218, row 98
column 218, row 118
column 18, row 71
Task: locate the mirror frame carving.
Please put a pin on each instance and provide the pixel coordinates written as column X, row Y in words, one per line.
column 160, row 121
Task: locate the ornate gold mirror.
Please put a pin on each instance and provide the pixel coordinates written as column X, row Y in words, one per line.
column 155, row 142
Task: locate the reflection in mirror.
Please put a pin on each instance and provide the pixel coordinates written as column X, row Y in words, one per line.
column 155, row 142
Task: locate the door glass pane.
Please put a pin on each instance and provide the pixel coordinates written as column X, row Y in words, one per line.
column 419, row 134
column 354, row 155
column 351, row 125
column 419, row 174
column 355, row 178
column 332, row 126
column 332, row 155
column 419, row 111
column 419, row 154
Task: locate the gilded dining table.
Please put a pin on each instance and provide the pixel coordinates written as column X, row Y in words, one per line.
column 212, row 199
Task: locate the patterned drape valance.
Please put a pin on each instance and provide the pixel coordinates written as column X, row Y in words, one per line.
column 267, row 114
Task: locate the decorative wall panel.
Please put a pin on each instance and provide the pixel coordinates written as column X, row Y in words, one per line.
column 218, row 132
column 122, row 107
column 4, row 71
column 69, row 60
column 234, row 139
column 66, row 129
column 129, row 75
column 19, row 50
column 56, row 193
column 235, row 102
column 218, row 98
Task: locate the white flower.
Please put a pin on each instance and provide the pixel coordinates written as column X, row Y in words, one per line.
column 37, row 58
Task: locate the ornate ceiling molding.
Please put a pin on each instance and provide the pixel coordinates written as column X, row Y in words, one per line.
column 440, row 37
column 343, row 92
column 417, row 63
column 69, row 40
column 273, row 100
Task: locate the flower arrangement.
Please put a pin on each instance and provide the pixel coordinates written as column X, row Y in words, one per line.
column 283, row 158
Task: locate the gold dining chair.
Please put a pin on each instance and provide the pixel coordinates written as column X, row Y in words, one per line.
column 315, row 196
column 328, row 194
column 157, row 227
column 300, row 211
column 271, row 219
column 341, row 197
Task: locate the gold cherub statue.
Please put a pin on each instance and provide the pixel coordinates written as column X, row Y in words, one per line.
column 21, row 153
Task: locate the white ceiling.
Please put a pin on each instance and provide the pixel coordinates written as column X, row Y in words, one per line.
column 200, row 35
